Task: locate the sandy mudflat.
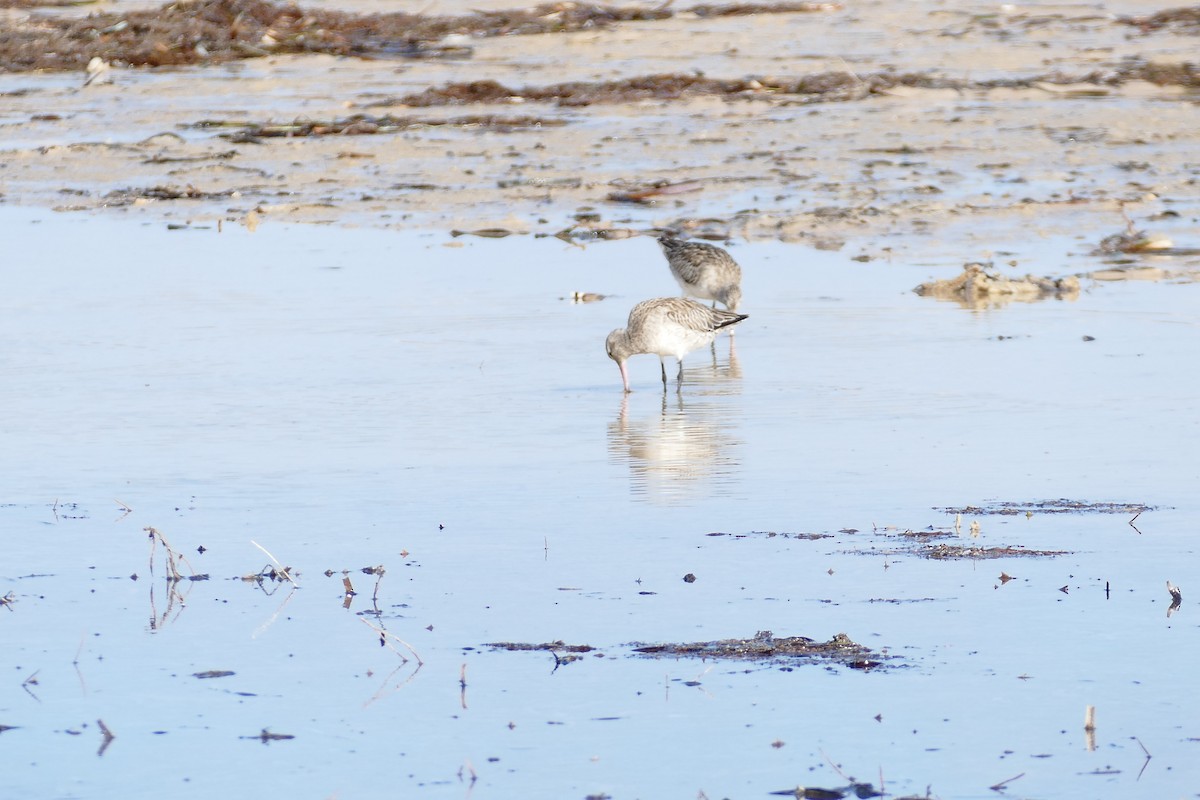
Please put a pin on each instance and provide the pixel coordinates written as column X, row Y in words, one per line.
column 889, row 125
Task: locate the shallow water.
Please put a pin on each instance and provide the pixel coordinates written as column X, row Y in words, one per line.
column 349, row 398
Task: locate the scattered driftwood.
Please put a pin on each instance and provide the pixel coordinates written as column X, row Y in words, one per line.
column 977, row 287
column 766, row 647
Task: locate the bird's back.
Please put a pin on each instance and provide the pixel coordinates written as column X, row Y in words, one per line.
column 702, row 270
column 674, row 326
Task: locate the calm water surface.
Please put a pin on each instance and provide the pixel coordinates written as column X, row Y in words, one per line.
column 352, row 398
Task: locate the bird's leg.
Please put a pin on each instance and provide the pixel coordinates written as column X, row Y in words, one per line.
column 663, row 365
column 679, row 377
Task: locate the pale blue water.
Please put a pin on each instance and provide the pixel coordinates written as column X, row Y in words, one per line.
column 337, row 395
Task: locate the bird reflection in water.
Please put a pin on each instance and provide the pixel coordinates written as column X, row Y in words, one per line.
column 688, row 447
column 717, row 377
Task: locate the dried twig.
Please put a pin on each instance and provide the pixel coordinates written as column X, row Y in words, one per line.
column 173, row 558
column 175, row 577
column 271, row 621
column 108, row 737
column 124, row 508
column 1001, row 784
column 1146, row 763
column 385, row 635
column 32, row 680
column 383, row 689
column 285, row 571
column 379, row 573
column 836, row 768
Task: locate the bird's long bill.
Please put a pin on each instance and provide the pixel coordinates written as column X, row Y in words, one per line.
column 624, row 374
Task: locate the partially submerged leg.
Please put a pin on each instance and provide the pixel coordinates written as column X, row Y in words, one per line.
column 663, row 365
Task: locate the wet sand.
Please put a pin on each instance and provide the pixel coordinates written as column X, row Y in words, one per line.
column 900, row 128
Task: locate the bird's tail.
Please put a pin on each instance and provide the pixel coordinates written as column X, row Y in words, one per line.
column 729, row 318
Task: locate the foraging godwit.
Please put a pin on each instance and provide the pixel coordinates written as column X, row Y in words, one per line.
column 704, row 270
column 667, row 326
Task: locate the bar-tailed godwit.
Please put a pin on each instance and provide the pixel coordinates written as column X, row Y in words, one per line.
column 704, row 270
column 667, row 326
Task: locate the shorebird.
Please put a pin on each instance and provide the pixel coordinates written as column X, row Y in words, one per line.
column 704, row 270
column 667, row 326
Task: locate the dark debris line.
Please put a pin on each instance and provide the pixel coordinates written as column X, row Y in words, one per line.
column 764, row 647
column 215, row 31
column 364, row 124
column 821, row 87
column 1061, row 506
column 1186, row 20
column 950, row 552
